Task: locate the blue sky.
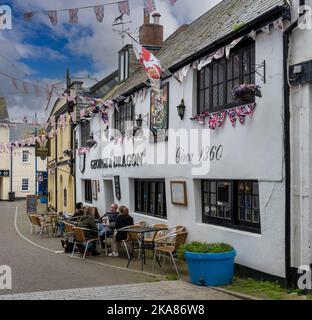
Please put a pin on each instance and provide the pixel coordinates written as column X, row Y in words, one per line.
column 87, row 48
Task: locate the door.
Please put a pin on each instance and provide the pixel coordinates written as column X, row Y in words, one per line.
column 109, row 194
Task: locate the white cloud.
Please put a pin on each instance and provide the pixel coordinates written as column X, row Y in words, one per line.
column 91, row 39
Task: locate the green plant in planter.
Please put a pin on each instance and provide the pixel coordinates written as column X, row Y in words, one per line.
column 203, row 247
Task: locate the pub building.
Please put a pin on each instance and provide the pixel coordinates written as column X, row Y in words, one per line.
column 214, row 160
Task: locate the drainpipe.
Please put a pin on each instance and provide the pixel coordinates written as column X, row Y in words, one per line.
column 288, row 269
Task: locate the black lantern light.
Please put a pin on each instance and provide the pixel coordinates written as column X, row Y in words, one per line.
column 181, row 109
column 139, row 121
column 91, row 142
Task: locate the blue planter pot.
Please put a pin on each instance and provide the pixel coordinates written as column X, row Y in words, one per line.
column 211, row 269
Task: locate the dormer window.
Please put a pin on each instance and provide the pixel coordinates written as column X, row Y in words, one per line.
column 124, row 64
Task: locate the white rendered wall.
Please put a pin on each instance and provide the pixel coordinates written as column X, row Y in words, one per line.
column 253, row 151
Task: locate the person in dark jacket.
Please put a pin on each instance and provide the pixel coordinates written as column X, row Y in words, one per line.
column 87, row 221
column 107, row 223
column 123, row 220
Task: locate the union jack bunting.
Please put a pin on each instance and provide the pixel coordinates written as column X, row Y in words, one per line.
column 124, row 7
column 149, row 6
column 73, row 15
column 213, row 121
column 221, row 117
column 233, row 117
column 173, row 2
column 105, row 117
column 37, row 90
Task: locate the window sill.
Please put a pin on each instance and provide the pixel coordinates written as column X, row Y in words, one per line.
column 143, row 214
column 233, row 229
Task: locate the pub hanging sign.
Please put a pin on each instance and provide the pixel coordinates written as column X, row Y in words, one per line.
column 4, row 173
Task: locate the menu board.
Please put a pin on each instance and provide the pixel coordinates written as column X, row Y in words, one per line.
column 31, row 202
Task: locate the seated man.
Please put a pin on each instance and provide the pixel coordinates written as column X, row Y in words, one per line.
column 107, row 223
column 64, row 217
column 87, row 221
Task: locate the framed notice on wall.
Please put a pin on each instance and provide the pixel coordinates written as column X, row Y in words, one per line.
column 117, row 187
column 31, row 204
column 178, row 193
column 159, row 114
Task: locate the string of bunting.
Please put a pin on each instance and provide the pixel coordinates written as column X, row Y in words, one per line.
column 225, row 51
column 123, row 7
column 217, row 119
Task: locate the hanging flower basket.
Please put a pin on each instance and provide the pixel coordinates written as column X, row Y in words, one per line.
column 246, row 92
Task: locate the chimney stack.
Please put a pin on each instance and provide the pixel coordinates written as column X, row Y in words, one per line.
column 152, row 34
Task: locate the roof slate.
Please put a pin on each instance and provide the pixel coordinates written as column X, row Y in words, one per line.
column 200, row 34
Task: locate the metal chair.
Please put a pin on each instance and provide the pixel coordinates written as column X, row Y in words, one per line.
column 132, row 237
column 174, row 241
column 33, row 222
column 80, row 238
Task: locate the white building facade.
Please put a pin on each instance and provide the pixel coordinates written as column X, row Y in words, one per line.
column 232, row 179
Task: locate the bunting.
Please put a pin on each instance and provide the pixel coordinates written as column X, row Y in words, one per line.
column 124, row 7
column 53, row 17
column 14, row 83
column 149, row 6
column 99, row 13
column 73, row 15
column 28, row 16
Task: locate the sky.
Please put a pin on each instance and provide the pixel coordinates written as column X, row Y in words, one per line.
column 39, row 53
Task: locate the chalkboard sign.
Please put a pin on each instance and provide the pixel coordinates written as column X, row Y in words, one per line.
column 117, row 187
column 31, row 201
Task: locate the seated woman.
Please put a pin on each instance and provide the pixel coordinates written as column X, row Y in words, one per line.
column 123, row 220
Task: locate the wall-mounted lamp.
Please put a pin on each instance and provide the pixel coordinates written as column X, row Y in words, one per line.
column 181, row 109
column 139, row 121
column 91, row 142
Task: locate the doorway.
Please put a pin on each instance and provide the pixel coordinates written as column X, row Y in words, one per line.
column 109, row 194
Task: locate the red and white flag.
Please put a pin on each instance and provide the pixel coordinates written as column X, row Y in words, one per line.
column 150, row 64
column 73, row 15
column 99, row 13
column 53, row 17
column 124, row 7
column 149, row 6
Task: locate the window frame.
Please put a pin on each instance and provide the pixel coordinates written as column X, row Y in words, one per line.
column 28, row 156
column 23, row 184
column 206, row 87
column 146, row 184
column 234, row 222
column 88, row 191
column 85, row 133
column 121, row 118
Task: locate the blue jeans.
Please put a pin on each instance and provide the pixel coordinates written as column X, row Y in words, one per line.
column 104, row 231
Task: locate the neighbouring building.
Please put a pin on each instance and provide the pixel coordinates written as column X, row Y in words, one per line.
column 230, row 169
column 64, row 116
column 18, row 168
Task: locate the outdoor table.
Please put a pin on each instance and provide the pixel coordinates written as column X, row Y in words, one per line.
column 142, row 231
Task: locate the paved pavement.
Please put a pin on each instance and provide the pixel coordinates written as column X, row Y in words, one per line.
column 38, row 270
column 163, row 290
